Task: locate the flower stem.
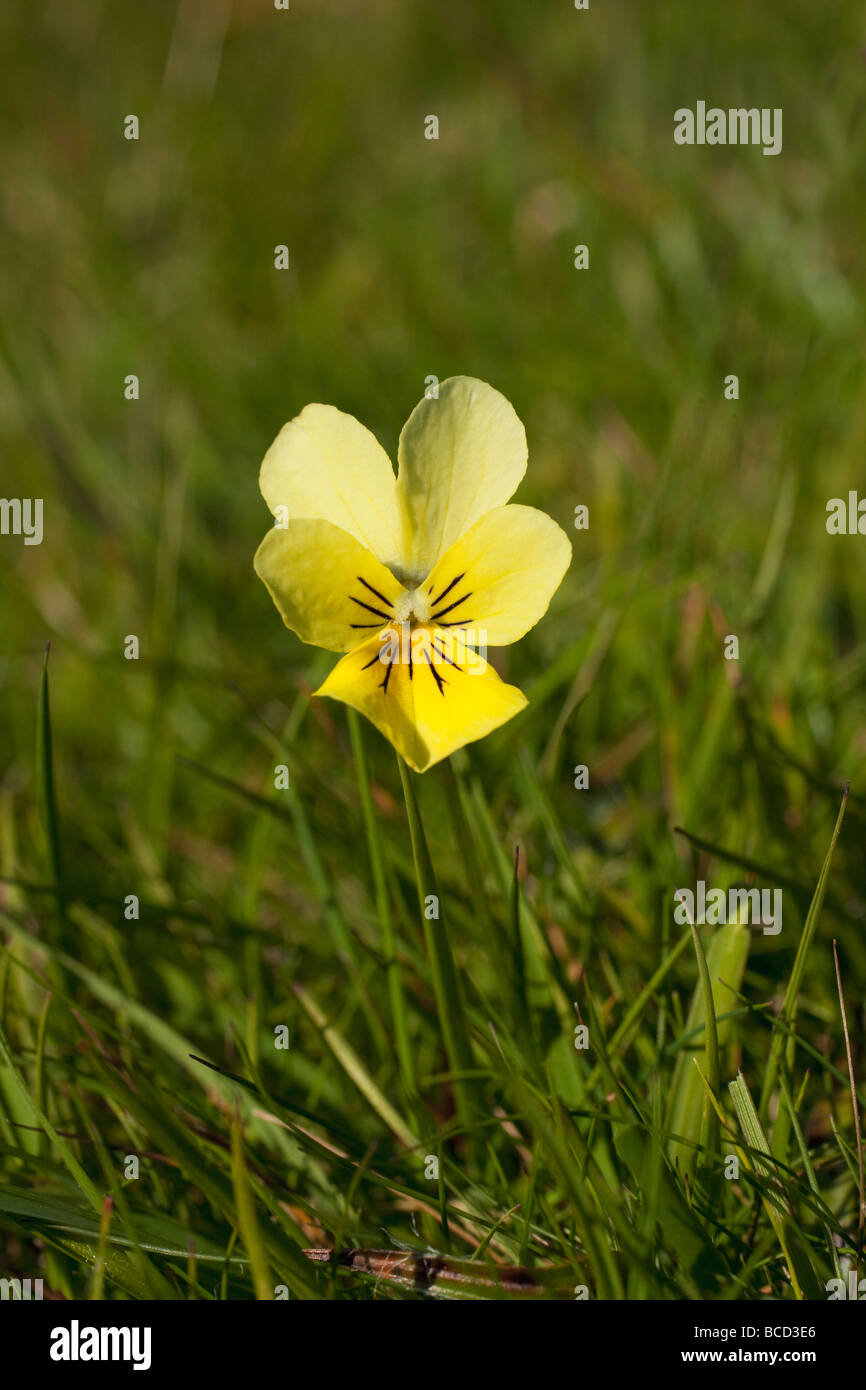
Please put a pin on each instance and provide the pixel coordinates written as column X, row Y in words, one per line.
column 446, row 986
column 383, row 907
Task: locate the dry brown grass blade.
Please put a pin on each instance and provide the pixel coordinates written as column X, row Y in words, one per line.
column 448, row 1277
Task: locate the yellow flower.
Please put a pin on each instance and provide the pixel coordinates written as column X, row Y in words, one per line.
column 410, row 574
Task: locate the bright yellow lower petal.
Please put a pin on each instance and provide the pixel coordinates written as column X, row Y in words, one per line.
column 426, row 707
column 327, row 465
column 459, row 456
column 499, row 577
column 328, row 587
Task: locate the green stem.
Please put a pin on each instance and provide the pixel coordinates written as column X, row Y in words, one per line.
column 710, row 1130
column 383, row 907
column 49, row 815
column 446, row 986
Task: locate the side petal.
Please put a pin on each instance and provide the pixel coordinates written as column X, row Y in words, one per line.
column 328, row 587
column 497, row 580
column 428, row 706
column 459, row 457
column 327, row 465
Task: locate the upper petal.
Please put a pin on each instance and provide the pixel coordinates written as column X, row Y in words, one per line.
column 326, row 464
column 459, row 457
column 499, row 577
column 328, row 587
column 425, row 715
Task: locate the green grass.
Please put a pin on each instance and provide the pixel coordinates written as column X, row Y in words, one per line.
column 413, row 1039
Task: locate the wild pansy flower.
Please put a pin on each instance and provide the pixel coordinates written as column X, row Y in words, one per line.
column 409, row 575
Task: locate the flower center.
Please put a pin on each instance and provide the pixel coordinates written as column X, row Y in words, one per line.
column 412, row 607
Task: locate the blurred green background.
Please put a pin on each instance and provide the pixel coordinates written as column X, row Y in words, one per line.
column 412, row 257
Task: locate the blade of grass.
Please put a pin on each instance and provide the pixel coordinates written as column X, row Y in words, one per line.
column 98, row 1280
column 861, row 1193
column 724, row 964
column 521, row 1017
column 804, row 1278
column 62, row 1147
column 263, row 1279
column 354, row 1068
column 809, row 1169
column 709, row 1125
column 45, row 782
column 783, row 1045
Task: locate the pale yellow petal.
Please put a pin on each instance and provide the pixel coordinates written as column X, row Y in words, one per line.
column 427, row 706
column 459, row 456
column 497, row 580
column 325, row 464
column 328, row 587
